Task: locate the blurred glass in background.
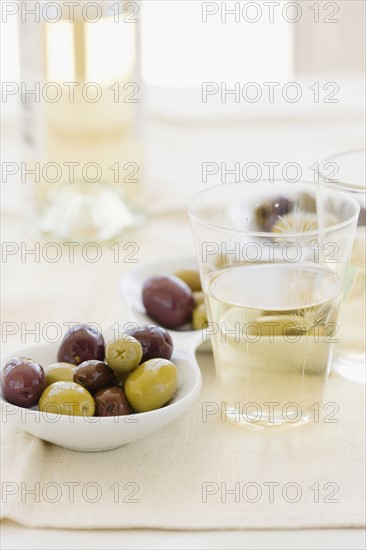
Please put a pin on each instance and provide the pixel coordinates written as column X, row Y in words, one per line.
column 80, row 97
column 186, row 46
column 350, row 353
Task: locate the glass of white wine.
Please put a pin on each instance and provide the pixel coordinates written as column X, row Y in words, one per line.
column 349, row 169
column 81, row 100
column 272, row 259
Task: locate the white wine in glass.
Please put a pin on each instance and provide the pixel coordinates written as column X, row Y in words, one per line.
column 83, row 152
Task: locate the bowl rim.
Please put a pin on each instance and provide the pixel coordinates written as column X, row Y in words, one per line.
column 157, row 413
column 201, row 221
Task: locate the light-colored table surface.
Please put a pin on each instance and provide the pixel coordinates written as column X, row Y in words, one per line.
column 14, row 537
column 25, row 284
column 92, row 295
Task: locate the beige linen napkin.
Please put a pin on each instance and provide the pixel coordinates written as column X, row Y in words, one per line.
column 198, row 475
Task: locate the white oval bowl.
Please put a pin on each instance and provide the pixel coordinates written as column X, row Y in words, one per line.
column 131, row 289
column 101, row 433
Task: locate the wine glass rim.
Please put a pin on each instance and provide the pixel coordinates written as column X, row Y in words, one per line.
column 294, row 234
column 343, row 184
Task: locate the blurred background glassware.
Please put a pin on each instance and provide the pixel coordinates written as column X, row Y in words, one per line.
column 83, row 127
column 272, row 260
column 350, row 354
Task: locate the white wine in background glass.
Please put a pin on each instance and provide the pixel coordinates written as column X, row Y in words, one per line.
column 83, row 152
column 350, row 354
column 272, row 259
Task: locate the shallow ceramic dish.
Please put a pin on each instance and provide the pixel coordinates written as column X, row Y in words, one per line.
column 131, row 290
column 103, row 433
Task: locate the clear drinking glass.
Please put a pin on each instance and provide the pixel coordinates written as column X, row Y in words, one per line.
column 82, row 149
column 272, row 258
column 350, row 354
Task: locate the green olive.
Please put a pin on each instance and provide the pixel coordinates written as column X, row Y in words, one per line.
column 199, row 317
column 273, row 325
column 67, row 398
column 191, row 277
column 59, row 372
column 283, row 325
column 198, row 297
column 123, row 355
column 151, row 385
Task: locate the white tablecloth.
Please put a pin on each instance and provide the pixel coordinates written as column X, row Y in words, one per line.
column 40, row 295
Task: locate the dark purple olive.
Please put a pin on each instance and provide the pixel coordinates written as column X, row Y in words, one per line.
column 155, row 341
column 267, row 212
column 168, row 300
column 22, row 382
column 111, row 402
column 80, row 344
column 94, row 375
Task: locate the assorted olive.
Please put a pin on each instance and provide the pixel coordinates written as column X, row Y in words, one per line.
column 67, row 398
column 199, row 317
column 155, row 342
column 80, row 344
column 59, row 372
column 198, row 297
column 94, row 375
column 22, row 382
column 168, row 300
column 130, row 374
column 172, row 300
column 151, row 385
column 268, row 212
column 136, row 375
column 191, row 277
column 112, row 402
column 124, row 355
column 281, row 214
